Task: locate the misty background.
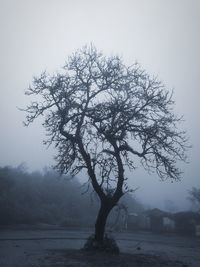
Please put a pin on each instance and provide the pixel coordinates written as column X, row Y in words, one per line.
column 163, row 36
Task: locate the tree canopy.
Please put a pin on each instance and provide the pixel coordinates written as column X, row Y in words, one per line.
column 102, row 115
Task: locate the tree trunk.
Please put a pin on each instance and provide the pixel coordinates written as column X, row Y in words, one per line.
column 101, row 221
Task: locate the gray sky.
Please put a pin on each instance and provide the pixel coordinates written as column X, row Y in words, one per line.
column 163, row 36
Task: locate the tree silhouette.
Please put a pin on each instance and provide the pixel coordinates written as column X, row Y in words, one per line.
column 194, row 196
column 101, row 115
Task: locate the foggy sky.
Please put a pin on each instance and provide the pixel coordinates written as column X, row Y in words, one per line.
column 38, row 35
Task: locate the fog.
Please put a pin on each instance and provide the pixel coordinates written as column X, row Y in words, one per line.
column 163, row 36
column 48, row 198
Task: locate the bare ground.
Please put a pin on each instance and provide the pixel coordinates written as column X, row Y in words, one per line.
column 79, row 258
column 59, row 248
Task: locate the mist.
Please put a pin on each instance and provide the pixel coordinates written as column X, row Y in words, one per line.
column 39, row 35
column 47, row 198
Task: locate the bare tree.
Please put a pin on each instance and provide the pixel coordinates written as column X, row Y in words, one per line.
column 101, row 115
column 194, row 196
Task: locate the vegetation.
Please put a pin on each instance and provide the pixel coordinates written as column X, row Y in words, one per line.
column 102, row 116
column 46, row 198
column 31, row 198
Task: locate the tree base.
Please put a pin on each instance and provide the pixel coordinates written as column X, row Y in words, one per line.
column 108, row 245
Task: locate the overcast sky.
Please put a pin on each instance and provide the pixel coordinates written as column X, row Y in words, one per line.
column 163, row 36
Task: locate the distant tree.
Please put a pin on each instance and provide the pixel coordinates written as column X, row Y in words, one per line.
column 194, row 196
column 101, row 115
column 31, row 198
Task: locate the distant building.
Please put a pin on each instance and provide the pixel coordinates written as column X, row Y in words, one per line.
column 158, row 220
column 187, row 222
column 168, row 224
column 138, row 221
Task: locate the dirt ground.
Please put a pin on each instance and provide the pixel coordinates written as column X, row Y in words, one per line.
column 59, row 248
column 76, row 258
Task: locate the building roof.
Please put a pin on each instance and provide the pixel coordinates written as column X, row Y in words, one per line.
column 157, row 213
